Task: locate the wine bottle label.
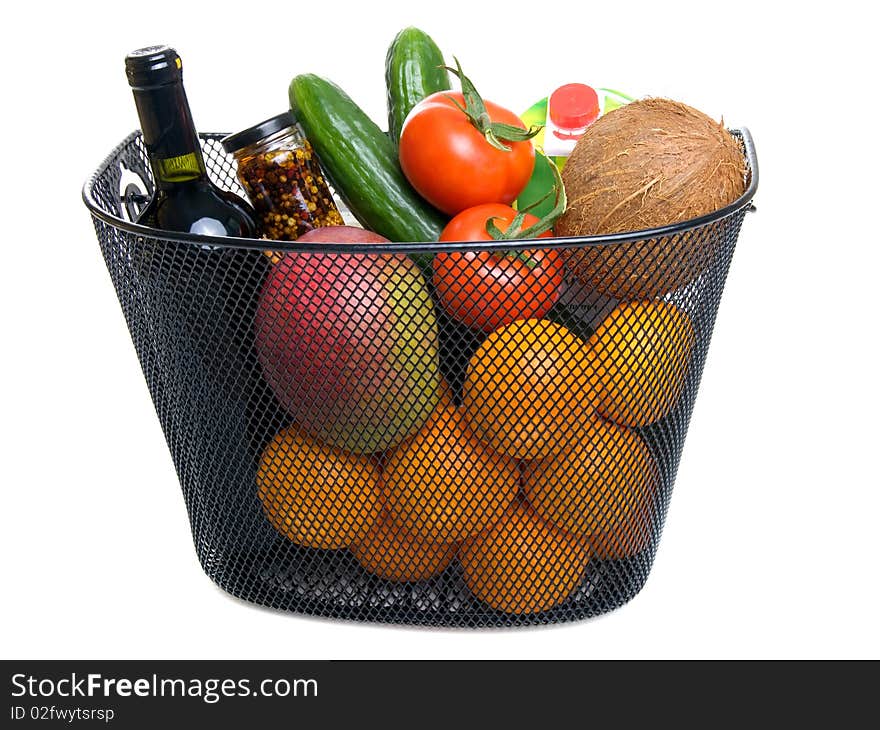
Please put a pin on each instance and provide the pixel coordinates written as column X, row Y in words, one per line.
column 179, row 169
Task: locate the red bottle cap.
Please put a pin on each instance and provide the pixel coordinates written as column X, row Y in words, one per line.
column 574, row 106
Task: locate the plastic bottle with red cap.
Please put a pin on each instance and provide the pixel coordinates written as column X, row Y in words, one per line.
column 570, row 110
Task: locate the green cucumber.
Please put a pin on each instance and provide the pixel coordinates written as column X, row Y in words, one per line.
column 361, row 162
column 414, row 69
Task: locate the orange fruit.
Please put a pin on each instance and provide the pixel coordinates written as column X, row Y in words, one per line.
column 595, row 487
column 529, row 389
column 445, row 394
column 523, row 564
column 642, row 350
column 317, row 495
column 631, row 536
column 394, row 554
column 443, row 484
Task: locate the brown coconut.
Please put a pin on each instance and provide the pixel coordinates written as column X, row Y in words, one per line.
column 650, row 163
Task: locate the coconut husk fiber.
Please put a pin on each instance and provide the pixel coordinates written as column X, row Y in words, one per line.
column 651, row 163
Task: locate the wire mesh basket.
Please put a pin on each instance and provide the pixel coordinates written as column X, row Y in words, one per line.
column 351, row 444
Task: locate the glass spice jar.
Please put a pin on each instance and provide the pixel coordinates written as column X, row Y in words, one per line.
column 282, row 177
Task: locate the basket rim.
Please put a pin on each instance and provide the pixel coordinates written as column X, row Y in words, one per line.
column 262, row 244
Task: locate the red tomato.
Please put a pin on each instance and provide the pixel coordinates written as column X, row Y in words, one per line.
column 450, row 162
column 488, row 289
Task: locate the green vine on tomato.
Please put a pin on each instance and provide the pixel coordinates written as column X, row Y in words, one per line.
column 458, row 150
column 515, row 230
column 486, row 290
column 496, row 133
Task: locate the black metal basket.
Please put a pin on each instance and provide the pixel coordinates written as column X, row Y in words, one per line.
column 348, row 448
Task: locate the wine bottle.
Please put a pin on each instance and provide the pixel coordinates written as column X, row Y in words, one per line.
column 184, row 198
column 200, row 300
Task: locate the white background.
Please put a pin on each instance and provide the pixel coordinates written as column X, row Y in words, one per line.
column 770, row 548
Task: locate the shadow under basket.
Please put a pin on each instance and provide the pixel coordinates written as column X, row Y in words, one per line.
column 350, row 444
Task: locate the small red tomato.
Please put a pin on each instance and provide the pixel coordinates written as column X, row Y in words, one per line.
column 452, row 164
column 488, row 289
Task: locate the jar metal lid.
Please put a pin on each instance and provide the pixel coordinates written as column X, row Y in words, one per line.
column 258, row 132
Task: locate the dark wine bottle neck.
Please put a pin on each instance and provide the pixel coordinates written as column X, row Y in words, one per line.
column 169, row 135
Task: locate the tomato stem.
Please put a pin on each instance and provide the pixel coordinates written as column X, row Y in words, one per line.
column 496, row 133
column 527, row 258
column 515, row 231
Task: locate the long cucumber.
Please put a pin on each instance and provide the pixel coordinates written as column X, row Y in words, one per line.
column 361, row 162
column 413, row 70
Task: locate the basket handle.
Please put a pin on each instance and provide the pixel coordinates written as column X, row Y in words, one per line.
column 133, row 192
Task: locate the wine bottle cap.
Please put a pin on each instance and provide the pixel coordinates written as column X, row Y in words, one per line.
column 258, row 132
column 153, row 66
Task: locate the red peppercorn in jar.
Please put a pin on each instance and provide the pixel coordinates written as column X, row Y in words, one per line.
column 283, row 179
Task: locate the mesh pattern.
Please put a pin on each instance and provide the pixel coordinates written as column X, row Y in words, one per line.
column 348, row 448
